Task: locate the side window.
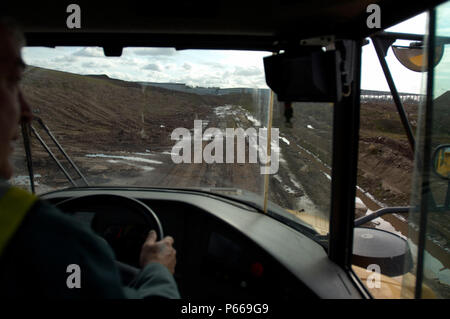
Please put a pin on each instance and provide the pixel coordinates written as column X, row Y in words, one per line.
column 430, row 221
column 381, row 254
column 405, row 253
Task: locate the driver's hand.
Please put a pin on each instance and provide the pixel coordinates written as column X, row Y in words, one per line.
column 158, row 251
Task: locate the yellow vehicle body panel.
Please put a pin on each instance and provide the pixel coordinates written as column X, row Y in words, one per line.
column 443, row 163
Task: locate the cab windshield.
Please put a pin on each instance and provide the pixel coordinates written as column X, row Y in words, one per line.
column 191, row 119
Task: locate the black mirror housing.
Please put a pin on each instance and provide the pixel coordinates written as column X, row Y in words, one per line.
column 309, row 77
column 441, row 161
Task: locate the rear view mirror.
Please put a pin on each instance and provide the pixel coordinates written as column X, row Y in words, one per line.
column 441, row 161
column 414, row 56
column 378, row 247
column 307, row 77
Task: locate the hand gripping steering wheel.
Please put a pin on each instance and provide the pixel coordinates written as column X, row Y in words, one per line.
column 97, row 203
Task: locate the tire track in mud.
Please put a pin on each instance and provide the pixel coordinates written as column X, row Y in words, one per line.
column 221, row 175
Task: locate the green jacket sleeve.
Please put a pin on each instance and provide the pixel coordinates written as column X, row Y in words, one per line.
column 37, row 259
column 154, row 280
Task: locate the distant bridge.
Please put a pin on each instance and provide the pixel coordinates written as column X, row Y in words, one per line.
column 366, row 95
column 370, row 95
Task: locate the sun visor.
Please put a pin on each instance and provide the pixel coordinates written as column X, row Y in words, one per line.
column 310, row 77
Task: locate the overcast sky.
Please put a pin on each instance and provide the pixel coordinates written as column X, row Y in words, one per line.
column 209, row 67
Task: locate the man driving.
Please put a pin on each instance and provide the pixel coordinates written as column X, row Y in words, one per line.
column 38, row 243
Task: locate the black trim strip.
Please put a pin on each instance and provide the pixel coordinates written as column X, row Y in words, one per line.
column 344, row 168
column 178, row 41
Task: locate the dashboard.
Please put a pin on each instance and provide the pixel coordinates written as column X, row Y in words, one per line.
column 225, row 249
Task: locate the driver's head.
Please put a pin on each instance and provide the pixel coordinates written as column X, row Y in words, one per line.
column 13, row 107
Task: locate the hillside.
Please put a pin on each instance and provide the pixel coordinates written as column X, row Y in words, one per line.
column 441, row 121
column 119, row 132
column 97, row 111
column 385, row 164
column 386, row 159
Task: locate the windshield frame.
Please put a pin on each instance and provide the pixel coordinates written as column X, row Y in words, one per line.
column 346, row 119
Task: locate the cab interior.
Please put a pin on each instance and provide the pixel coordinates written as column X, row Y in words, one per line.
column 228, row 247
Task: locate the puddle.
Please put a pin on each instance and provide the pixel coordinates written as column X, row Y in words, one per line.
column 222, row 111
column 360, row 202
column 126, row 158
column 144, row 154
column 253, row 120
column 285, row 140
column 145, row 168
column 169, row 153
column 294, row 181
column 24, row 180
column 385, row 225
column 371, row 197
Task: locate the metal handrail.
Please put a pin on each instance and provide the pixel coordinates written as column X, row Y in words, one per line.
column 61, row 149
column 52, row 155
column 26, row 144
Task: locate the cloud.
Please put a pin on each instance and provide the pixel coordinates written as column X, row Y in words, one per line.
column 155, row 52
column 160, row 65
column 214, row 65
column 152, row 67
column 91, row 65
column 90, row 52
column 41, row 63
column 121, row 76
column 65, row 59
column 249, row 71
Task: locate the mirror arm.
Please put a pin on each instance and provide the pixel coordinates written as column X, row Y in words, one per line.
column 381, row 212
column 383, row 44
column 380, row 48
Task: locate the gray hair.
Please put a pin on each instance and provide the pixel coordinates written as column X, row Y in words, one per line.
column 13, row 29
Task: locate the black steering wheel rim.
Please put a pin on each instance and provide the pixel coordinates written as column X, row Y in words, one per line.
column 90, row 202
column 84, row 202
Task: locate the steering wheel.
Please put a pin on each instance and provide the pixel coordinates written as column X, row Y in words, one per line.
column 97, row 204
